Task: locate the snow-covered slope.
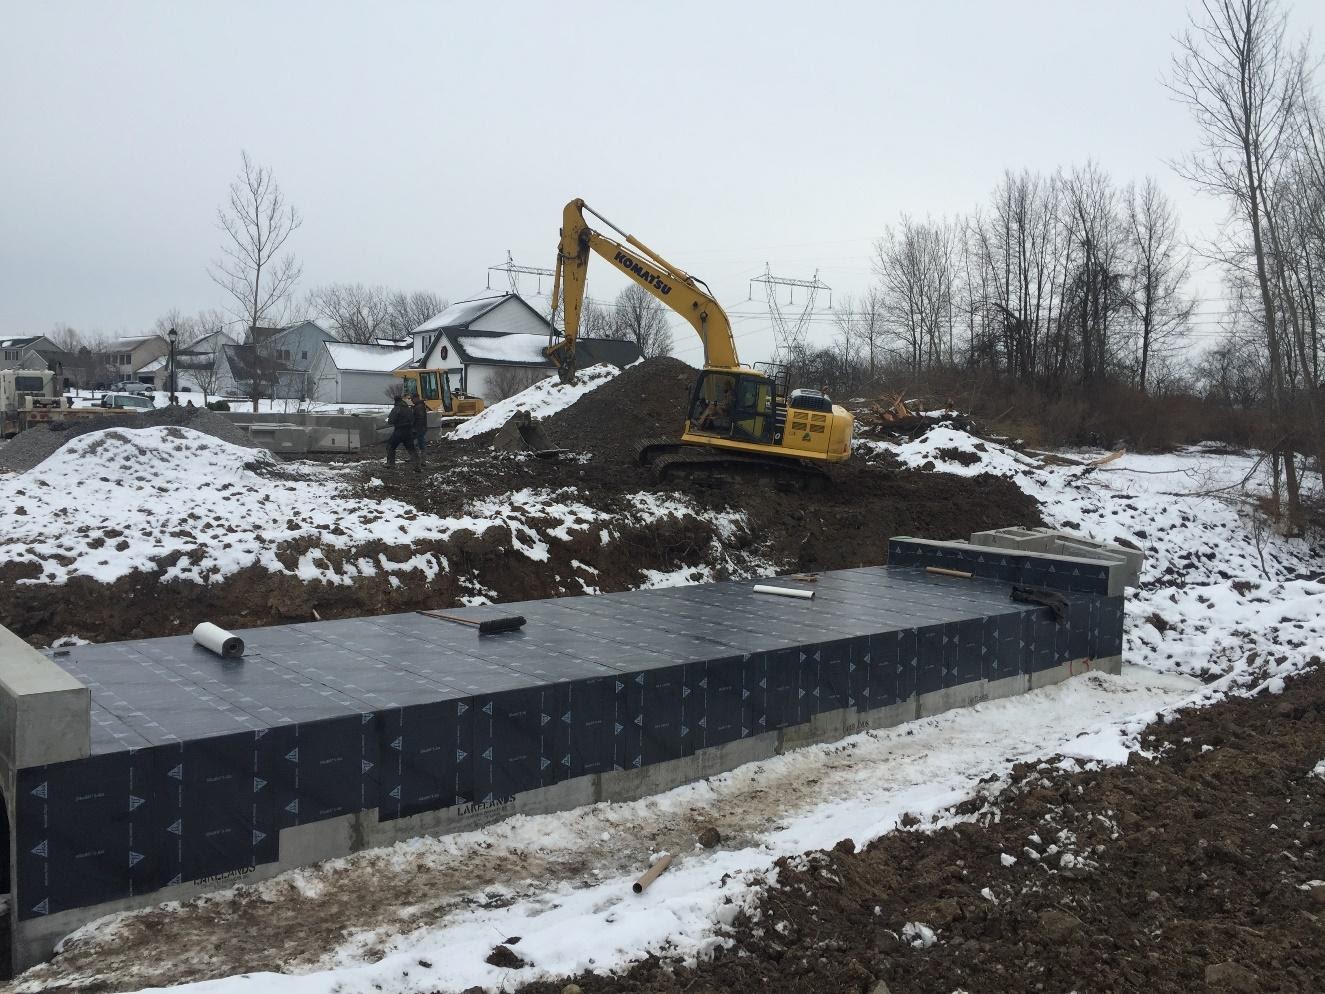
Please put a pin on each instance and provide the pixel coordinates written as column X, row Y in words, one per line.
column 197, row 508
column 542, row 400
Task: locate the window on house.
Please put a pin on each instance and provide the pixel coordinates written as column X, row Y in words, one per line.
column 11, row 356
column 303, row 355
column 283, row 355
column 124, row 359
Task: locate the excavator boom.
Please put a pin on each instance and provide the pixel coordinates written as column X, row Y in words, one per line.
column 673, row 286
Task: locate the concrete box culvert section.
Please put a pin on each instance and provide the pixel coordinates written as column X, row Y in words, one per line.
column 152, row 770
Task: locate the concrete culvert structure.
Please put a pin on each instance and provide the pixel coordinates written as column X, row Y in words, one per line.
column 153, row 770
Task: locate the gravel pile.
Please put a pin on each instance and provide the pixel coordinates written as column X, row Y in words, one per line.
column 27, row 449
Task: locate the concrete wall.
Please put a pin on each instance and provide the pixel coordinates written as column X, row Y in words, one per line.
column 35, row 939
column 45, row 719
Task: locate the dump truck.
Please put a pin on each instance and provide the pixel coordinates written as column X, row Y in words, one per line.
column 32, row 397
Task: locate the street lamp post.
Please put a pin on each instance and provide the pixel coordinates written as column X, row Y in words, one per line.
column 173, row 335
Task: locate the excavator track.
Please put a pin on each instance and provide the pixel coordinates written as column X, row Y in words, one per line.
column 673, row 460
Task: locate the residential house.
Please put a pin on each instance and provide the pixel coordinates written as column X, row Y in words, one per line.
column 200, row 367
column 356, row 374
column 128, row 356
column 22, row 353
column 296, row 345
column 492, row 346
column 250, row 371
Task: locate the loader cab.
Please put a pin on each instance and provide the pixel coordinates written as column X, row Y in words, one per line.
column 430, row 384
column 734, row 404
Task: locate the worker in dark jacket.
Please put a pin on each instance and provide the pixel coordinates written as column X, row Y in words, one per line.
column 401, row 421
column 420, row 425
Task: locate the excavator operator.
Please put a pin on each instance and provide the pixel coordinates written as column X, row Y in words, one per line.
column 717, row 413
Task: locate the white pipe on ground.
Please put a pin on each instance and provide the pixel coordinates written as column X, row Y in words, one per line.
column 218, row 640
column 763, row 588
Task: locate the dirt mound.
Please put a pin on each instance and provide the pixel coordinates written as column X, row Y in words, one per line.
column 645, row 401
column 1199, row 870
column 29, row 448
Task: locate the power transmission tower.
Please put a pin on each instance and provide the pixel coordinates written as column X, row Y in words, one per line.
column 514, row 271
column 790, row 333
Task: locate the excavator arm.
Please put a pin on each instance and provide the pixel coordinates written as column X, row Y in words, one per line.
column 677, row 289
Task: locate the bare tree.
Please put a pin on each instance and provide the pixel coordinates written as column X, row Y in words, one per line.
column 257, row 223
column 1242, row 82
column 916, row 266
column 409, row 310
column 863, row 323
column 1161, row 265
column 356, row 313
column 637, row 316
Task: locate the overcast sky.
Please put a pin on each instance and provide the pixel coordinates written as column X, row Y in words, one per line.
column 421, row 141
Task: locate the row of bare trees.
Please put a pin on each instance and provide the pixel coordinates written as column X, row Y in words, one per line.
column 1062, row 280
column 634, row 316
column 1250, row 89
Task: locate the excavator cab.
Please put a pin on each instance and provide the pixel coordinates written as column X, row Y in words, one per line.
column 735, row 404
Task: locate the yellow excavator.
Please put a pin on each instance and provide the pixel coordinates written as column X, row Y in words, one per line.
column 739, row 418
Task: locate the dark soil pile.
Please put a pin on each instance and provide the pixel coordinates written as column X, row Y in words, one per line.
column 29, row 448
column 1190, row 872
column 645, row 401
column 868, row 501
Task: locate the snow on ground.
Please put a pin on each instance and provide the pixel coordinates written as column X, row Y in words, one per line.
column 542, row 400
column 1220, row 592
column 114, row 501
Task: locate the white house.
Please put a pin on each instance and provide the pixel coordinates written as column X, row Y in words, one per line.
column 128, row 356
column 342, row 373
column 492, row 345
column 200, row 367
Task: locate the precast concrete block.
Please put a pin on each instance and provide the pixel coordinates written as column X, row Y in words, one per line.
column 1008, row 686
column 961, row 696
column 827, row 726
column 45, row 714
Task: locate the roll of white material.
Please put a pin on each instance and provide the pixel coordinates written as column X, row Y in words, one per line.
column 218, row 640
column 763, row 588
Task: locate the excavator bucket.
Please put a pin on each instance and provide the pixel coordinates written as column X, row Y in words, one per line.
column 523, row 434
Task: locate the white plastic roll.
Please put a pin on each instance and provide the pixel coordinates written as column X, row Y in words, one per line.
column 763, row 588
column 218, row 640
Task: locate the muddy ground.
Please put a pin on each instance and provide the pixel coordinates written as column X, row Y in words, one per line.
column 846, row 525
column 1191, row 871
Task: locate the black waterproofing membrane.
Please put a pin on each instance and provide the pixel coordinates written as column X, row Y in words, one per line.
column 198, row 762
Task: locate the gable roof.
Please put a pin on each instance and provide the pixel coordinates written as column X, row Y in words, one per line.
column 131, row 342
column 368, row 358
column 463, row 313
column 495, row 348
column 20, row 343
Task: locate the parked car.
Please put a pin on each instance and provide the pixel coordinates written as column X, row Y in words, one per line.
column 122, row 401
column 131, row 386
